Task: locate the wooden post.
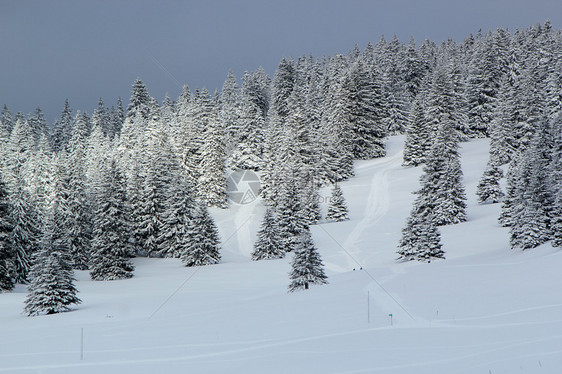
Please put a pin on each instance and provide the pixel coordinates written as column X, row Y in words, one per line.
column 368, row 307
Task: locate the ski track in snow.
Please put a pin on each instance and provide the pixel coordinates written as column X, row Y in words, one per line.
column 378, row 204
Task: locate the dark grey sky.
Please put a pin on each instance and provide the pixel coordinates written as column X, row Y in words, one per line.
column 81, row 50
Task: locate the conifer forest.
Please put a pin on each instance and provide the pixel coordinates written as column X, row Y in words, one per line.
column 96, row 192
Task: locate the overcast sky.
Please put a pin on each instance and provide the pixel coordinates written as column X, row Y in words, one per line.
column 81, row 50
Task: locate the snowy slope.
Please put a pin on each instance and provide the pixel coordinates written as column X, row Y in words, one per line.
column 485, row 309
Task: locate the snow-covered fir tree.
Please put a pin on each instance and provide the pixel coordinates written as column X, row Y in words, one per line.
column 420, row 239
column 442, row 196
column 38, row 124
column 531, row 207
column 18, row 154
column 79, row 219
column 248, row 151
column 489, row 189
column 62, row 129
column 487, row 68
column 291, row 217
column 417, row 133
column 310, row 200
column 307, row 268
column 7, row 123
column 51, row 287
column 555, row 171
column 337, row 208
column 229, row 109
column 40, row 182
column 512, row 191
column 212, row 181
column 205, row 243
column 111, row 242
column 25, row 234
column 6, row 282
column 269, row 244
column 282, row 87
column 360, row 110
column 159, row 167
column 176, row 233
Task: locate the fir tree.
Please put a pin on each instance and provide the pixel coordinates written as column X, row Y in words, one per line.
column 416, row 133
column 557, row 218
column 420, row 240
column 256, row 86
column 337, row 209
column 111, row 244
column 555, row 171
column 79, row 224
column 62, row 129
column 442, row 195
column 269, row 243
column 204, row 248
column 248, row 151
column 19, row 152
column 307, row 266
column 532, row 205
column 512, row 192
column 51, row 288
column 282, row 86
column 360, row 111
column 24, row 237
column 229, row 112
column 139, row 103
column 212, row 182
column 310, row 200
column 290, row 213
column 117, row 119
column 489, row 189
column 6, row 125
column 175, row 235
column 6, row 282
column 38, row 124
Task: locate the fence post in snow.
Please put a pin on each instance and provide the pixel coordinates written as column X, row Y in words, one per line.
column 368, row 307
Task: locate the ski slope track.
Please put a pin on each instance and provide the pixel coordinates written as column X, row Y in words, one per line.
column 484, row 309
column 378, row 203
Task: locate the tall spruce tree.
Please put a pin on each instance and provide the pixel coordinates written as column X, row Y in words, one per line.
column 532, row 205
column 489, row 189
column 212, row 181
column 337, row 208
column 442, row 196
column 111, row 244
column 420, row 239
column 205, row 243
column 269, row 244
column 306, row 267
column 360, row 109
column 291, row 217
column 176, row 233
column 51, row 287
column 62, row 129
column 25, row 234
column 79, row 219
column 6, row 282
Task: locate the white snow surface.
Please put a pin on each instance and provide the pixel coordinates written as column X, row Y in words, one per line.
column 484, row 309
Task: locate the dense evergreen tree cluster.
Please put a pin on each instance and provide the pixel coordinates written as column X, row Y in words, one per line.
column 91, row 192
column 507, row 87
